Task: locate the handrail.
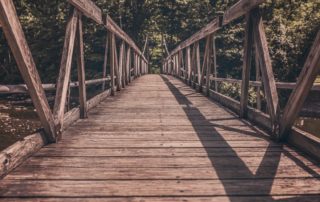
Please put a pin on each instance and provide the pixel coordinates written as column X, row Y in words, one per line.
column 236, row 11
column 121, row 66
column 201, row 73
column 124, row 68
column 22, row 88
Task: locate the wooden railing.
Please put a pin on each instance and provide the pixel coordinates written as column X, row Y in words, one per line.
column 123, row 69
column 185, row 62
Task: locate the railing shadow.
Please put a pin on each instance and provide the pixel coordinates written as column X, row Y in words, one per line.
column 265, row 172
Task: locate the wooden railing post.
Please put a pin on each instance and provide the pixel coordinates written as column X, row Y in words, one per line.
column 214, row 53
column 128, row 58
column 258, row 78
column 209, row 64
column 248, row 45
column 81, row 71
column 304, row 84
column 65, row 68
column 266, row 69
column 105, row 62
column 188, row 55
column 121, row 63
column 197, row 60
column 112, row 62
column 20, row 49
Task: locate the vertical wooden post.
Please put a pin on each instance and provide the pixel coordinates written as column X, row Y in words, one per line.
column 105, row 62
column 266, row 69
column 128, row 58
column 116, row 65
column 248, row 45
column 194, row 64
column 197, row 59
column 209, row 64
column 81, row 71
column 304, row 84
column 20, row 49
column 258, row 78
column 188, row 63
column 215, row 62
column 65, row 68
column 205, row 63
column 112, row 62
column 121, row 63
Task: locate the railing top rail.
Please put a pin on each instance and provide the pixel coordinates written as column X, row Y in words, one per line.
column 89, row 9
column 236, row 11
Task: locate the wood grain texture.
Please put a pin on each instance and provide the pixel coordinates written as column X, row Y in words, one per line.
column 89, row 9
column 20, row 49
column 81, row 71
column 247, row 61
column 268, row 79
column 159, row 140
column 65, row 68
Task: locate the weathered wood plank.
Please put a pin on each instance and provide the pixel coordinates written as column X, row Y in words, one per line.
column 105, row 61
column 89, row 9
column 19, row 47
column 14, row 155
column 65, row 68
column 239, row 9
column 269, row 83
column 81, row 71
column 64, row 188
column 248, row 46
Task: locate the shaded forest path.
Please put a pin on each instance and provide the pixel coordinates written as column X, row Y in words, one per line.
column 159, row 140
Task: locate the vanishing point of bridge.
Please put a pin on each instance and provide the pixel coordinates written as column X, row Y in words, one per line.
column 153, row 137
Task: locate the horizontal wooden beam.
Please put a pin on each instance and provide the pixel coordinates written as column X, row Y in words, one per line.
column 239, row 9
column 89, row 9
column 280, row 85
column 114, row 28
column 236, row 11
column 14, row 155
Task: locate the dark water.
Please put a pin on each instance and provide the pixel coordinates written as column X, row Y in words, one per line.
column 16, row 122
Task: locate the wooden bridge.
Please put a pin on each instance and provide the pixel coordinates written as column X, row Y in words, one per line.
column 155, row 137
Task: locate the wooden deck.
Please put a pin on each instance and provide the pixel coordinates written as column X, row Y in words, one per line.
column 159, row 140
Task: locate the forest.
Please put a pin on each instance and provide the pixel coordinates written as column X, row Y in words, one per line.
column 291, row 27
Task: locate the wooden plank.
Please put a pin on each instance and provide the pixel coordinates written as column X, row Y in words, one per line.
column 121, row 64
column 128, row 66
column 215, row 68
column 197, row 61
column 209, row 64
column 239, row 9
column 14, row 155
column 65, row 68
column 112, row 62
column 105, row 62
column 81, row 71
column 89, row 9
column 293, row 198
column 77, row 188
column 188, row 62
column 305, row 82
column 266, row 68
column 236, row 11
column 248, row 46
column 205, row 63
column 20, row 49
column 76, row 173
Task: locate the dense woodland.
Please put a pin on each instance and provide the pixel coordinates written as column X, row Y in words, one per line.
column 291, row 27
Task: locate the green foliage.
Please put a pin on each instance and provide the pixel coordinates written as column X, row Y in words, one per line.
column 290, row 25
